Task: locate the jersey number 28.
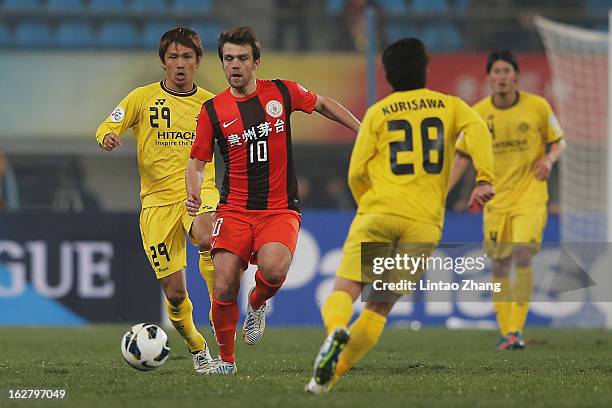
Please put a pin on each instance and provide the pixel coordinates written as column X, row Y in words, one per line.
column 429, row 145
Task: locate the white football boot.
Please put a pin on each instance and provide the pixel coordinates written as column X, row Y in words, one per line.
column 254, row 323
column 202, row 361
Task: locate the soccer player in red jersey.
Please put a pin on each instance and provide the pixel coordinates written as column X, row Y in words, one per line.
column 258, row 215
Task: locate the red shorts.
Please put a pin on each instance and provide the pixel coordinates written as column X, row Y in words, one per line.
column 243, row 232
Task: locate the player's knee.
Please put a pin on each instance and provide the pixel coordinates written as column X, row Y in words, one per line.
column 176, row 297
column 501, row 267
column 275, row 274
column 274, row 270
column 201, row 240
column 204, row 245
column 225, row 291
column 522, row 256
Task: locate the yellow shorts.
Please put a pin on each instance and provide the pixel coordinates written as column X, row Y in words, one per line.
column 163, row 230
column 383, row 228
column 504, row 230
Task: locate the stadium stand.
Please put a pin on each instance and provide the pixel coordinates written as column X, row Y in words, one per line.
column 117, row 35
column 75, row 35
column 33, row 34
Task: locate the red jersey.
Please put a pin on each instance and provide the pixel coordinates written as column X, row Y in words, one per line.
column 254, row 137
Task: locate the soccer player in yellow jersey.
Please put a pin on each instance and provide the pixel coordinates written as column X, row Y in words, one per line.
column 522, row 126
column 398, row 175
column 163, row 116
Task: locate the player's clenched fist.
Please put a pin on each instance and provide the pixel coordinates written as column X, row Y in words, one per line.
column 481, row 194
column 111, row 142
column 193, row 204
column 542, row 168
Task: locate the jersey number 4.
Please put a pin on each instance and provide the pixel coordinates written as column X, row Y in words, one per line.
column 429, row 145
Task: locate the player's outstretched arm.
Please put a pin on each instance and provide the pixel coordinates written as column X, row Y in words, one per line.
column 543, row 166
column 335, row 111
column 194, row 174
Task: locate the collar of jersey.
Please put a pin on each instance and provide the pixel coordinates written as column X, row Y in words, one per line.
column 249, row 96
column 171, row 92
column 518, row 96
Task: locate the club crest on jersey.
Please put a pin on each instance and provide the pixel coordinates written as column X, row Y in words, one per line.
column 117, row 114
column 274, row 108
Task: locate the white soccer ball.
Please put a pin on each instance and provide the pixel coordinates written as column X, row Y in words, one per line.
column 145, row 346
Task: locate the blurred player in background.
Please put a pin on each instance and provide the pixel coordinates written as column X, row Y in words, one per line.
column 398, row 175
column 258, row 217
column 163, row 116
column 522, row 126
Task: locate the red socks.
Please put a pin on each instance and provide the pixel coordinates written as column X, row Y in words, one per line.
column 263, row 290
column 225, row 314
column 225, row 318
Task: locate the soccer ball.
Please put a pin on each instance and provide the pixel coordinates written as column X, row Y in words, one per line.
column 145, row 346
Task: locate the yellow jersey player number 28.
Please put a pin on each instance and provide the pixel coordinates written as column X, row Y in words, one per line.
column 398, row 175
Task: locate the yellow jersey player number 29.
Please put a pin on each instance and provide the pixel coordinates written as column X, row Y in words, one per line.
column 163, row 116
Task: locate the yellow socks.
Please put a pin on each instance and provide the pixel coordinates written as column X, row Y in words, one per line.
column 182, row 319
column 207, row 270
column 521, row 294
column 337, row 310
column 365, row 332
column 503, row 303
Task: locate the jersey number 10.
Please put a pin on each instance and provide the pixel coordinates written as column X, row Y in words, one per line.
column 429, row 145
column 258, row 151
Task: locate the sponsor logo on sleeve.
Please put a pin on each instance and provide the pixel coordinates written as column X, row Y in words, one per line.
column 117, row 114
column 554, row 124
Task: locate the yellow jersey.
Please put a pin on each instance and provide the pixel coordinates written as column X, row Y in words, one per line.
column 164, row 123
column 520, row 134
column 404, row 150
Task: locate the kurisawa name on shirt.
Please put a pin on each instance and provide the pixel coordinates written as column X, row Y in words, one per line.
column 413, row 104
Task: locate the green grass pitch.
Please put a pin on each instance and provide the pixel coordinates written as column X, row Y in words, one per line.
column 431, row 367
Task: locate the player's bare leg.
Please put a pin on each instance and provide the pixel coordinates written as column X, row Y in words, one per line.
column 180, row 312
column 502, row 299
column 228, row 273
column 200, row 233
column 273, row 261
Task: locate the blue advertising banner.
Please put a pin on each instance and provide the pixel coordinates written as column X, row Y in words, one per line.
column 79, row 268
column 66, row 269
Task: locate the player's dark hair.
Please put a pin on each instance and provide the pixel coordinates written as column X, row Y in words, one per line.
column 181, row 35
column 241, row 36
column 405, row 63
column 503, row 55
